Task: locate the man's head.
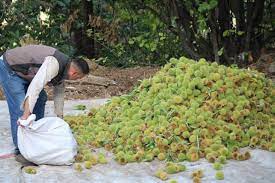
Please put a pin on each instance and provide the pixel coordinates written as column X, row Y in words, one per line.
column 78, row 68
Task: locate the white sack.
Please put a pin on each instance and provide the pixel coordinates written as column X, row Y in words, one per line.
column 46, row 141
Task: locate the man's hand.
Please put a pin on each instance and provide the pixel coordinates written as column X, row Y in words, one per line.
column 25, row 116
column 60, row 115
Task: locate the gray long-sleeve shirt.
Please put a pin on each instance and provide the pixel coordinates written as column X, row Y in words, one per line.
column 48, row 70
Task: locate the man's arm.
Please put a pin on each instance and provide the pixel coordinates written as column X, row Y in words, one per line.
column 59, row 91
column 47, row 71
column 26, row 110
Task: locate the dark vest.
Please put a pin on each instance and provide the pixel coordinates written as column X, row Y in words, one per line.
column 27, row 60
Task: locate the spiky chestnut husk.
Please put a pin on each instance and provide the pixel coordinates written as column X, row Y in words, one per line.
column 122, row 160
column 196, row 180
column 235, row 148
column 229, row 155
column 264, row 146
column 219, row 175
column 161, row 156
column 180, row 168
column 197, row 173
column 88, row 164
column 235, row 155
column 181, row 157
column 157, row 173
column 93, row 159
column 156, row 151
column 165, row 142
column 222, row 159
column 177, row 131
column 240, row 157
column 217, row 166
column 30, row 170
column 215, row 147
column 252, row 145
column 193, row 138
column 78, row 167
column 254, row 140
column 208, row 150
column 211, row 158
column 171, row 169
column 226, row 96
column 102, row 159
column 149, row 157
column 87, row 156
column 201, row 154
column 193, row 149
column 194, row 174
column 79, row 158
column 137, row 157
column 161, row 175
column 173, row 181
column 247, row 155
column 108, row 147
column 244, row 143
column 200, row 173
column 272, row 148
column 269, row 145
column 232, row 136
column 130, row 158
column 264, row 134
column 192, row 156
column 173, row 147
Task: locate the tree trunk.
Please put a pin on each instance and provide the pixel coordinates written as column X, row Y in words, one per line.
column 88, row 45
column 254, row 17
column 178, row 10
column 224, row 20
column 213, row 34
column 237, row 7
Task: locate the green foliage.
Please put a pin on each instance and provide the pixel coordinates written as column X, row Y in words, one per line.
column 146, row 32
column 24, row 19
column 80, row 107
column 145, row 39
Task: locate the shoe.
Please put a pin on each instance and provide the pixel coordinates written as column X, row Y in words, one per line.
column 16, row 151
column 19, row 158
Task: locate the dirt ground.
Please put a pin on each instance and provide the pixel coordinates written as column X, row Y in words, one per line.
column 113, row 82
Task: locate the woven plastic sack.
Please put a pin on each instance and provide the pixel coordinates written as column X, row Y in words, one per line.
column 46, row 141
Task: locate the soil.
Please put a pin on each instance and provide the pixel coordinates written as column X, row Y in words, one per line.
column 118, row 81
